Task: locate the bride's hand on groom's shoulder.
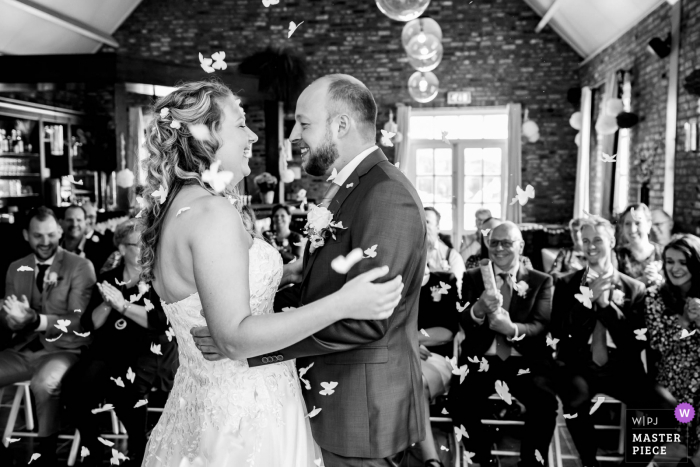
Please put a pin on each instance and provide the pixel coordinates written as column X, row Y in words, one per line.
column 204, row 342
column 361, row 298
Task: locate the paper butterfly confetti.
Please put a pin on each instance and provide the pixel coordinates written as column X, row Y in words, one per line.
column 77, row 310
column 219, row 63
column 62, row 324
column 119, row 283
column 462, row 372
column 371, row 252
column 34, row 457
column 217, row 180
column 473, row 359
column 314, row 412
column 105, row 442
column 569, row 416
column 607, row 157
column 104, row 408
column 424, row 332
column 526, row 371
column 267, row 3
column 118, row 381
column 484, row 365
column 684, row 333
column 640, row 334
column 81, row 334
column 205, row 63
column 522, row 196
column 199, row 131
column 552, row 342
column 598, row 403
column 12, row 440
column 461, row 431
column 24, row 269
column 461, row 308
column 328, row 388
column 130, row 375
column 293, row 27
column 343, row 264
column 444, row 412
column 585, row 296
column 148, row 304
column 468, row 457
column 155, row 348
column 502, row 391
column 161, row 194
column 116, row 457
column 485, row 232
column 386, row 138
column 169, row 333
column 334, row 174
column 84, row 452
column 445, row 140
column 140, row 403
column 74, row 181
column 538, row 456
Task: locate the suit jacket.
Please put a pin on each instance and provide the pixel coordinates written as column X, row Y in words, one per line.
column 377, row 408
column 530, row 314
column 71, row 292
column 573, row 323
column 97, row 249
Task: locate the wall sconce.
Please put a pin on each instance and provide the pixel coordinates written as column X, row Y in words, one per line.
column 660, row 47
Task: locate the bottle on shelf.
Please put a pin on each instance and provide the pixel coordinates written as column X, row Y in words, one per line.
column 3, row 137
column 19, row 143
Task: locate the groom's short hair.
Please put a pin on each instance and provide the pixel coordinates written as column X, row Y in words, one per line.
column 348, row 94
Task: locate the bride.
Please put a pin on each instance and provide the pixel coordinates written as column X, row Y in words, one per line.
column 210, row 271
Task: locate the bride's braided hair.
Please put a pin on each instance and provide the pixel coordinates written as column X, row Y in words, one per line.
column 175, row 157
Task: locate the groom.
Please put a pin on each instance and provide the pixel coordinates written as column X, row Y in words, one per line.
column 376, row 409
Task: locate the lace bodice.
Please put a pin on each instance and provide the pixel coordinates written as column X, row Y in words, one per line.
column 215, row 408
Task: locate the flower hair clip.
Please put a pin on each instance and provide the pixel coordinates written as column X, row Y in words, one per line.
column 164, row 113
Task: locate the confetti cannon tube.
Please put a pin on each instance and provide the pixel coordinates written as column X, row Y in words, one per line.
column 488, row 277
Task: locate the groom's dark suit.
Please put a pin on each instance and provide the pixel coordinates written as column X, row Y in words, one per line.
column 376, row 410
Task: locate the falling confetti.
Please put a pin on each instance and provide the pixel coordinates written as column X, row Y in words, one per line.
column 169, row 333
column 34, row 457
column 443, row 448
column 371, row 252
column 538, row 456
column 522, row 196
column 266, row 4
column 444, row 138
column 140, row 403
column 461, row 432
column 328, row 388
column 461, row 308
column 181, row 210
column 485, row 232
column 81, row 334
column 585, row 296
column 503, row 392
column 219, row 63
column 62, row 325
column 462, row 372
column 155, row 348
column 72, row 180
column 205, row 63
column 105, row 442
column 161, row 194
column 314, row 412
column 468, row 457
column 334, row 174
column 444, row 412
column 343, row 264
column 24, row 269
column 130, row 375
column 349, row 185
column 424, row 332
column 685, row 334
column 118, row 381
column 552, row 342
column 84, row 452
column 483, row 365
column 569, row 416
column 217, row 179
column 640, row 334
column 104, row 408
column 293, row 27
column 526, row 371
column 148, row 305
column 607, row 157
column 55, row 338
column 598, row 403
column 12, row 440
column 77, row 310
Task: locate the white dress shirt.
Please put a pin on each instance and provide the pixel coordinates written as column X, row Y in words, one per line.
column 43, row 322
column 344, row 174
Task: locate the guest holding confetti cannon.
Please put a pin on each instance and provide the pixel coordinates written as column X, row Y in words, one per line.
column 638, row 257
column 486, row 227
column 672, row 314
column 132, row 352
column 598, row 320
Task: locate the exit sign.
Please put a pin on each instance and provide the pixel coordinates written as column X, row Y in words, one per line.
column 459, row 98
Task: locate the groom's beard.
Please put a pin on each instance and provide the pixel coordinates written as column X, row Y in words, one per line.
column 321, row 159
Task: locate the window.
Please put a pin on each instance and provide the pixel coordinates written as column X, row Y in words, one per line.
column 458, row 161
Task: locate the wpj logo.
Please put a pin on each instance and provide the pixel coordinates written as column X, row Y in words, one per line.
column 648, row 434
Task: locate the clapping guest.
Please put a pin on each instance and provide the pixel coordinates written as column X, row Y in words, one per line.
column 78, row 238
column 44, row 290
column 440, row 256
column 290, row 244
column 505, row 330
column 438, row 323
column 571, row 258
column 130, row 354
column 472, row 245
column 661, row 227
column 638, row 257
column 598, row 351
column 486, row 227
column 672, row 311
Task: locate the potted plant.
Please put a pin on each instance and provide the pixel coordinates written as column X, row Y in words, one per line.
column 266, row 184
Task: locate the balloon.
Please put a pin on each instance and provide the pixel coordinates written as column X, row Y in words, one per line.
column 576, row 120
column 534, row 138
column 125, row 178
column 426, row 25
column 613, row 107
column 402, row 10
column 530, row 129
column 606, row 125
column 423, row 46
column 423, row 87
column 577, row 139
column 287, row 176
column 429, row 64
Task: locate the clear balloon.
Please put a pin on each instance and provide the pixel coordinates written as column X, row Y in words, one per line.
column 613, row 107
column 423, row 87
column 426, row 25
column 530, row 129
column 423, row 46
column 576, row 120
column 402, row 10
column 429, row 64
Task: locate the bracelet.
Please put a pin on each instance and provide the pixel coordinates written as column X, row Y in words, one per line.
column 126, row 307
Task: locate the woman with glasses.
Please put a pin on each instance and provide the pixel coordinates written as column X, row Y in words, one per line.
column 637, row 256
column 131, row 352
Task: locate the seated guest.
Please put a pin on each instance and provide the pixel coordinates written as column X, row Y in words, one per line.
column 126, row 319
column 570, row 258
column 438, row 323
column 441, row 258
column 598, row 351
column 490, row 224
column 520, row 307
column 639, row 258
column 661, row 227
column 472, row 245
column 75, row 239
column 290, row 244
column 43, row 291
column 91, row 222
column 670, row 309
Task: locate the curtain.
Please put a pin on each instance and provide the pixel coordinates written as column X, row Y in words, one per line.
column 581, row 199
column 403, row 117
column 512, row 178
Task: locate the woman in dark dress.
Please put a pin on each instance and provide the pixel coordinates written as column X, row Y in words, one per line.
column 290, row 244
column 672, row 313
column 132, row 352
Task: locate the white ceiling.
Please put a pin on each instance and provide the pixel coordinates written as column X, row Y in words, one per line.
column 26, row 33
column 589, row 26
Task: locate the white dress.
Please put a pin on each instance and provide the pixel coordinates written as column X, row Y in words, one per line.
column 225, row 414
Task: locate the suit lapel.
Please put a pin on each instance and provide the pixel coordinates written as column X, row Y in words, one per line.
column 55, row 267
column 350, row 185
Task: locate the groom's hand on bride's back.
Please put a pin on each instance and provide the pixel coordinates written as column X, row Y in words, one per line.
column 205, row 344
column 361, row 298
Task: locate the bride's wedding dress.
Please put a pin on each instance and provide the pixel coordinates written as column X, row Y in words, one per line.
column 225, row 414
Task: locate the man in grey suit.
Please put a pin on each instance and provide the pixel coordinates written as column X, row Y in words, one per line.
column 376, row 410
column 46, row 291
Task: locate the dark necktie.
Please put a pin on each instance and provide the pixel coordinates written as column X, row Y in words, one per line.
column 40, row 276
column 599, row 345
column 502, row 345
column 330, row 194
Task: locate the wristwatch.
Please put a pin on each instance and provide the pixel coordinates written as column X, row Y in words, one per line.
column 34, row 324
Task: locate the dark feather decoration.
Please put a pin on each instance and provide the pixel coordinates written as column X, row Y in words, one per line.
column 692, row 83
column 627, row 119
column 282, row 73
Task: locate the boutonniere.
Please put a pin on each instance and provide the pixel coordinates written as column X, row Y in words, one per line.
column 618, row 297
column 50, row 279
column 521, row 288
column 95, row 239
column 320, row 226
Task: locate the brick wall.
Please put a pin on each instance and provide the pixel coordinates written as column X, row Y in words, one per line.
column 649, row 95
column 491, row 49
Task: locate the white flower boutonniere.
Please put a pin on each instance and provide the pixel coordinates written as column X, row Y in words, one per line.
column 50, row 279
column 618, row 297
column 319, row 226
column 521, row 288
